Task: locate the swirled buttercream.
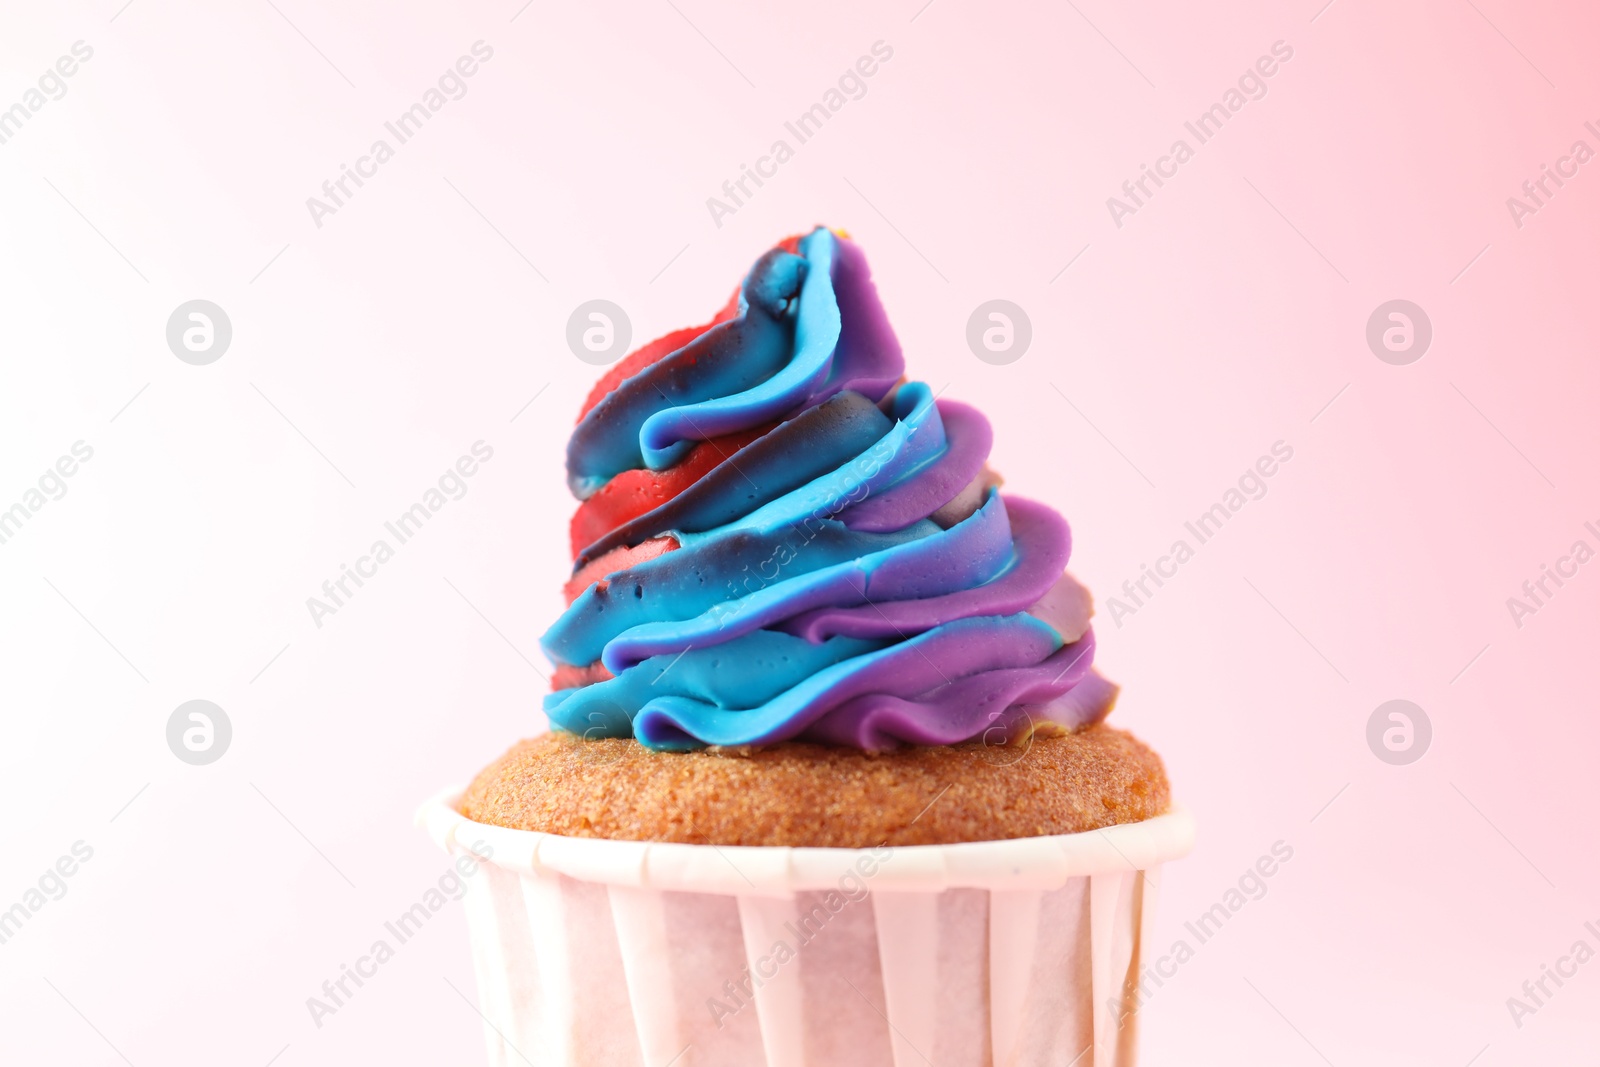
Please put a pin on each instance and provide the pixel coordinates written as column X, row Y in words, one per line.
column 780, row 538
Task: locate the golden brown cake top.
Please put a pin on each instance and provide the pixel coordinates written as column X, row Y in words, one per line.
column 807, row 795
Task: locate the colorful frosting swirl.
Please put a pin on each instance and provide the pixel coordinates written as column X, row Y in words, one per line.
column 781, row 539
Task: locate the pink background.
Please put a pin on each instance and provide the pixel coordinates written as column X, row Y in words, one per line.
column 1227, row 314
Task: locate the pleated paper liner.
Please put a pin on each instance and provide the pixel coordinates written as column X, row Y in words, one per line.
column 1019, row 953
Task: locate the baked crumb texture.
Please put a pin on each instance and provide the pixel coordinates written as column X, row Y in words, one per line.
column 817, row 796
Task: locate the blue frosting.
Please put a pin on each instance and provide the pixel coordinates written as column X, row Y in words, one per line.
column 845, row 577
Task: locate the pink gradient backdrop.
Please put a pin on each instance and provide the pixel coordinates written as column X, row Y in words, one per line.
column 1222, row 317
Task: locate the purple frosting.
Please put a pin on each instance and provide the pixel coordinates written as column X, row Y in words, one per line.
column 850, row 576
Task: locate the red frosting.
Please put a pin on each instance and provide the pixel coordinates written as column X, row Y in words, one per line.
column 633, row 493
column 617, row 559
column 642, row 357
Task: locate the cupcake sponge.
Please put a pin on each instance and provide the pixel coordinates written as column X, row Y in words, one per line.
column 806, row 795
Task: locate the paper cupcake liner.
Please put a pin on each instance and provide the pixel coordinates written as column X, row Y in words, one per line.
column 1019, row 953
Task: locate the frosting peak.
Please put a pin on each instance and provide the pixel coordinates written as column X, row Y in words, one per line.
column 779, row 539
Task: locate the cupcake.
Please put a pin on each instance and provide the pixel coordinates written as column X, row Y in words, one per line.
column 828, row 779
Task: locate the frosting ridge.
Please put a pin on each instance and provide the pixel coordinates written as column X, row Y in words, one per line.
column 781, row 539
